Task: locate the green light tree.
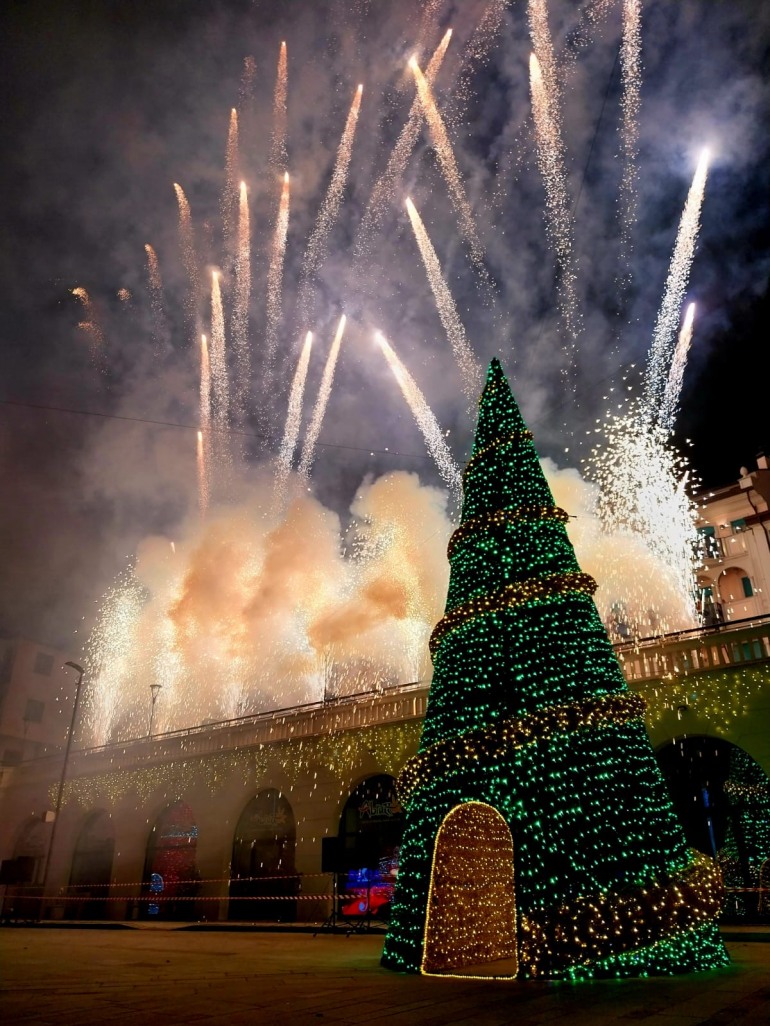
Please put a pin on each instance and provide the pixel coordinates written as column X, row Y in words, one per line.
column 539, row 834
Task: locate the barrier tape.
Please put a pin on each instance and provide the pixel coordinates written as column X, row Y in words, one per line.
column 153, row 899
column 208, row 880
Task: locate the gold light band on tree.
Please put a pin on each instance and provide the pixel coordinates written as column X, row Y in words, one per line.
column 491, row 742
column 503, row 516
column 514, row 436
column 520, row 593
column 590, row 929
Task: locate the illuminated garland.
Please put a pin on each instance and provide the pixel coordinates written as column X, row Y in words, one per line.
column 514, row 436
column 520, row 593
column 341, row 753
column 592, row 928
column 504, row 516
column 453, row 754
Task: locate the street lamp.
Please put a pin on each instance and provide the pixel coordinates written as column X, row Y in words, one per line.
column 80, row 671
column 154, row 690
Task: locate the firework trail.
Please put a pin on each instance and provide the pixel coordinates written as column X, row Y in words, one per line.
column 275, row 274
column 239, row 323
column 676, row 283
column 90, row 327
column 248, row 77
column 220, row 387
column 155, row 288
column 189, row 259
column 550, row 158
column 125, row 296
column 670, row 405
column 448, row 164
column 630, row 103
column 425, row 419
column 542, row 44
column 327, row 215
column 386, row 184
column 314, row 429
column 476, row 52
column 279, row 157
column 229, row 199
column 470, row 368
column 642, row 493
column 293, row 421
column 203, row 483
column 205, row 391
column 111, row 660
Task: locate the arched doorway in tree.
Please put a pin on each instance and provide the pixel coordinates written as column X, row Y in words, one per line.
column 170, row 870
column 722, row 798
column 369, row 839
column 263, row 861
column 471, row 918
column 91, row 869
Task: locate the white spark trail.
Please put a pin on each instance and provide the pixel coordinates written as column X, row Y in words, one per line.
column 275, row 273
column 630, row 103
column 314, row 429
column 189, row 258
column 220, row 388
column 330, row 207
column 550, row 157
column 670, row 405
column 470, row 368
column 386, row 184
column 239, row 323
column 667, row 320
column 642, row 481
column 203, row 483
column 155, row 288
column 229, row 200
column 448, row 164
column 425, row 419
column 293, row 421
column 279, row 157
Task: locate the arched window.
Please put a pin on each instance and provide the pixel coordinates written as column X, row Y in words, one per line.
column 91, row 869
column 263, row 861
column 722, row 798
column 171, row 874
column 370, row 832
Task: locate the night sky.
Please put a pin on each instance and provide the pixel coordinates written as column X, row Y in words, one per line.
column 106, row 104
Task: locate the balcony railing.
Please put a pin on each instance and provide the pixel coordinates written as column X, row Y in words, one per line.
column 714, row 648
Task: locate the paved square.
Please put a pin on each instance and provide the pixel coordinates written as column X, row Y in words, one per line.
column 139, row 977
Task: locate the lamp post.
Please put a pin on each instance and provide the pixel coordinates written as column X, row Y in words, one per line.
column 79, row 670
column 154, row 690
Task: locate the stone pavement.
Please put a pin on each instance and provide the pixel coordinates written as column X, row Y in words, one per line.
column 140, row 977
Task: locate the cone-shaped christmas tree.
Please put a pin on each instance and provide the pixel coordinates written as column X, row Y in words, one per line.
column 539, row 834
